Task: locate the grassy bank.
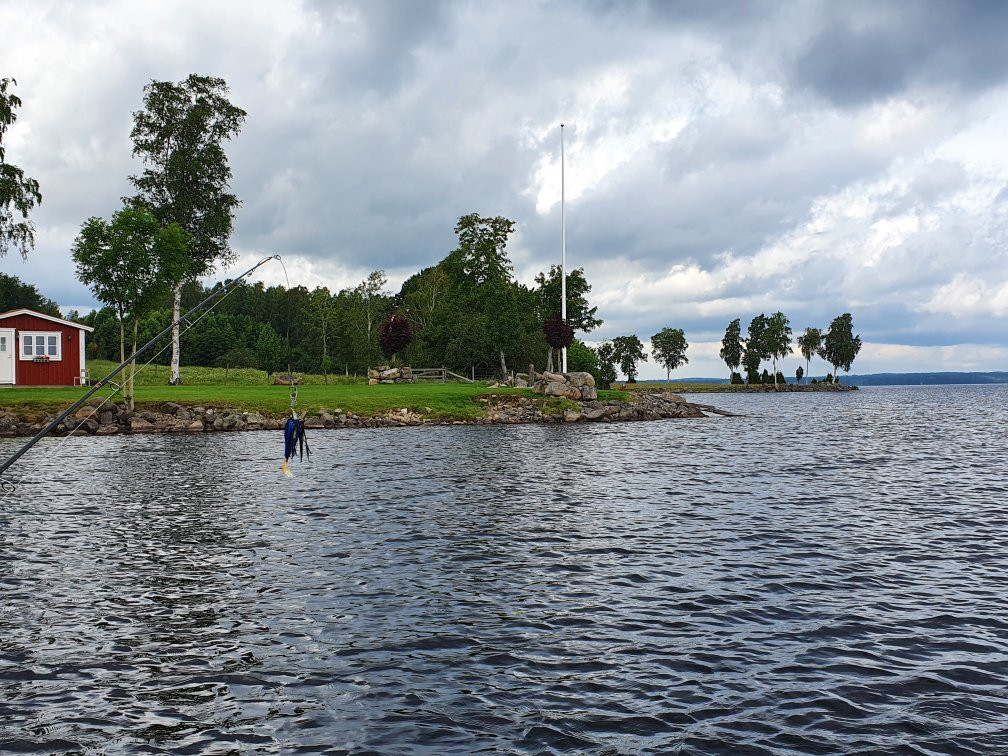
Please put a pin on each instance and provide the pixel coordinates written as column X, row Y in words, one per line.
column 247, row 390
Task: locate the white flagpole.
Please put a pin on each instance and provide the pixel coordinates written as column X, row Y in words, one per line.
column 563, row 250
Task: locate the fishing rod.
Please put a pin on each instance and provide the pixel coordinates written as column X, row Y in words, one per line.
column 7, row 485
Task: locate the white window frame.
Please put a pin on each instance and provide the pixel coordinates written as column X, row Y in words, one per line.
column 34, row 335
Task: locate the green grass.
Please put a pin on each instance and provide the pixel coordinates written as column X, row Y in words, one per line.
column 207, row 387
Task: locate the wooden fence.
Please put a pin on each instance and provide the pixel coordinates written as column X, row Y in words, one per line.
column 440, row 374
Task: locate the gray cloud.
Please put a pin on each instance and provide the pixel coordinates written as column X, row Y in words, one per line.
column 868, row 51
column 723, row 159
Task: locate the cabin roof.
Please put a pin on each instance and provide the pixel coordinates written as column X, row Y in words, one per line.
column 51, row 318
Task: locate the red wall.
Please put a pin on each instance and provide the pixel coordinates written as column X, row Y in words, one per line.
column 62, row 373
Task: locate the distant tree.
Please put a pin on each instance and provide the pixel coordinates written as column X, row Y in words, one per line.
column 269, row 350
column 18, row 193
column 840, row 345
column 810, row 343
column 628, row 351
column 777, row 339
column 129, row 264
column 559, row 335
column 178, row 134
column 755, row 348
column 606, row 353
column 668, row 347
column 14, row 294
column 395, row 334
column 799, row 374
column 731, row 345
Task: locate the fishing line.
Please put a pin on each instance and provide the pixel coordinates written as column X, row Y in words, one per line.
column 8, row 487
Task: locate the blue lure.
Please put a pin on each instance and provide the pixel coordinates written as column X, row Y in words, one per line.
column 295, row 442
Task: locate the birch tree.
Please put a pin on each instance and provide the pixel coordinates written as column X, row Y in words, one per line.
column 179, row 135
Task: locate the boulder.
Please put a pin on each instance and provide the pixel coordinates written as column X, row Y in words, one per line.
column 170, row 408
column 580, row 379
column 196, row 426
column 390, row 374
column 372, row 373
column 373, row 381
column 549, row 377
column 570, row 416
column 138, row 424
column 588, row 393
column 556, row 388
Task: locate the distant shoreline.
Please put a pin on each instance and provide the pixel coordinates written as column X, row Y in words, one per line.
column 737, row 388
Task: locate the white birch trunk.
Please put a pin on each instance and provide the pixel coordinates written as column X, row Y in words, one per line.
column 176, row 314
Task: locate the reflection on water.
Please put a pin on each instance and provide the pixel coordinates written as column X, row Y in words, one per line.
column 825, row 573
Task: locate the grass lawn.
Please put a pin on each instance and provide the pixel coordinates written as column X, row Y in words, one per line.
column 248, row 391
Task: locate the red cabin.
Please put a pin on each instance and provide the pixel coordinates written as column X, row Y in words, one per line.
column 40, row 350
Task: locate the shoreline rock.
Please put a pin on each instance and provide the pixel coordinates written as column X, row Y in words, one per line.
column 107, row 419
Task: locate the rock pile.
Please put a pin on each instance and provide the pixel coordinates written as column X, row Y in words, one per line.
column 102, row 418
column 511, row 408
column 577, row 386
column 386, row 374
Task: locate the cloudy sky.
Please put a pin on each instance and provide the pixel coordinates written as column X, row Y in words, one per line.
column 722, row 159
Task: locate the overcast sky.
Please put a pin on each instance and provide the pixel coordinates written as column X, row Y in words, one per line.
column 722, row 159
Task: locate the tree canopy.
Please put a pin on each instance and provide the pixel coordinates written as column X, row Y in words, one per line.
column 18, row 193
column 731, row 345
column 840, row 345
column 15, row 294
column 627, row 352
column 668, row 347
column 179, row 135
column 777, row 339
column 130, row 263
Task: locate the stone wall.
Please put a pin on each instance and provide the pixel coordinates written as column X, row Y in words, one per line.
column 386, row 374
column 579, row 387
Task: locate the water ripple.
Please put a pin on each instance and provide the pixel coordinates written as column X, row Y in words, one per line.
column 826, row 573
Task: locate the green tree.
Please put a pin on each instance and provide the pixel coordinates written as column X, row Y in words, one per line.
column 606, row 353
column 178, row 135
column 668, row 347
column 368, row 302
column 129, row 264
column 755, row 348
column 321, row 309
column 269, row 350
column 18, row 193
column 580, row 315
column 777, row 339
column 15, row 294
column 481, row 251
column 628, row 351
column 810, row 343
column 731, row 345
column 583, row 359
column 840, row 345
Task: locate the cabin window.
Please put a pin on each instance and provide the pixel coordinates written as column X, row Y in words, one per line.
column 42, row 347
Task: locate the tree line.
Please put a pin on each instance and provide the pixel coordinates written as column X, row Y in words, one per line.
column 769, row 338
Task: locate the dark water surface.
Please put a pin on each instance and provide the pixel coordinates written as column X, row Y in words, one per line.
column 828, row 573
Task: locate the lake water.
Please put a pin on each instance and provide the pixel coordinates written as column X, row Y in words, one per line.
column 828, row 573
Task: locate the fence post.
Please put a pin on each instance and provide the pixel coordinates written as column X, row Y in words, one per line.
column 531, row 375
